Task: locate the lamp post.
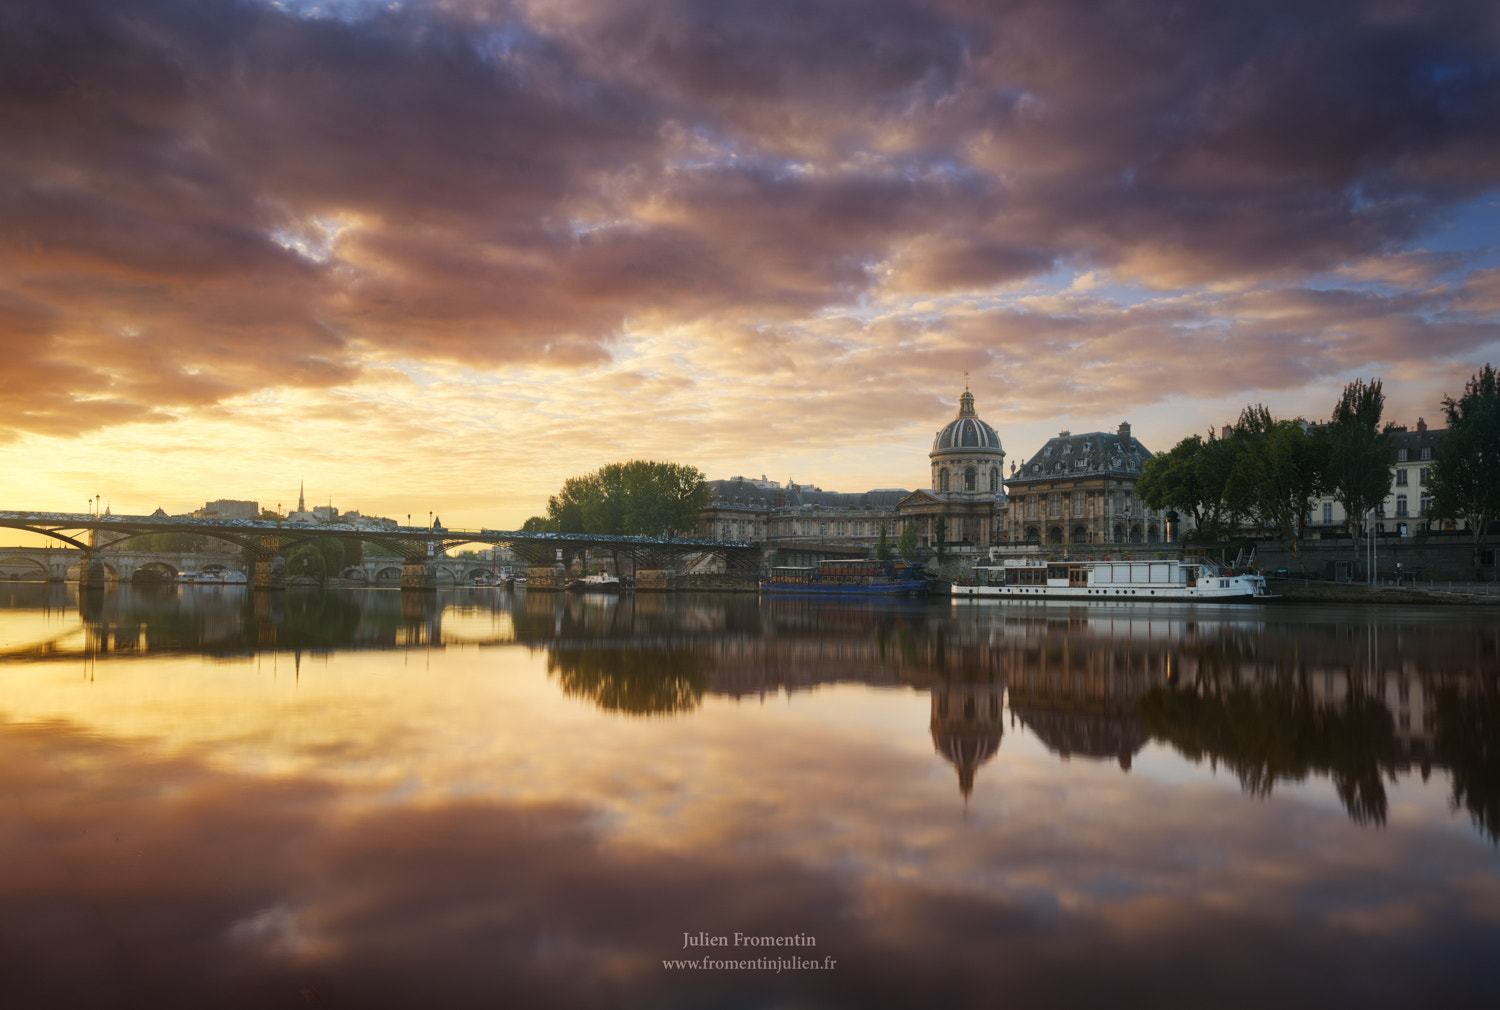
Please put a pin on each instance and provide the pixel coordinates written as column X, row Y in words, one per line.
column 1370, row 543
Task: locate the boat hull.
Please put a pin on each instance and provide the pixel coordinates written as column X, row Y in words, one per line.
column 1145, row 594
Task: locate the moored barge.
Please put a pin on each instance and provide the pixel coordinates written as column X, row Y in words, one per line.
column 1178, row 579
column 849, row 578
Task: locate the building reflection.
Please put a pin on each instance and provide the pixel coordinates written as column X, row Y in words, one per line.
column 1361, row 698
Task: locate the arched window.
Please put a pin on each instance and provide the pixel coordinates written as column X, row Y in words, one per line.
column 994, row 478
column 943, row 479
column 969, row 477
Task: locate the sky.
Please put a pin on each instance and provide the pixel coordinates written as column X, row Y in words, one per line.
column 439, row 256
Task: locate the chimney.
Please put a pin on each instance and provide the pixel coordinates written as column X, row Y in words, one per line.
column 1125, row 434
column 1421, row 426
column 1225, row 431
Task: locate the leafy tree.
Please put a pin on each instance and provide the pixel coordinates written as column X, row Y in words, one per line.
column 1278, row 470
column 907, row 545
column 1465, row 482
column 1194, row 478
column 940, row 535
column 321, row 558
column 637, row 498
column 1358, row 473
column 883, row 545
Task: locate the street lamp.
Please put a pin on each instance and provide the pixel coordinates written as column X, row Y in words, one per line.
column 1370, row 535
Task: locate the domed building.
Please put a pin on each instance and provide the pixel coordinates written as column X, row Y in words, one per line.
column 967, row 458
column 967, row 495
column 965, row 503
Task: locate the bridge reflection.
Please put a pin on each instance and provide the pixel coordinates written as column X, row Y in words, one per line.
column 1358, row 697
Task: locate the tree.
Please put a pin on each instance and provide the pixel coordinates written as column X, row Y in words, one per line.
column 1465, row 482
column 907, row 545
column 1278, row 470
column 638, row 498
column 1194, row 478
column 940, row 535
column 321, row 558
column 883, row 545
column 1358, row 472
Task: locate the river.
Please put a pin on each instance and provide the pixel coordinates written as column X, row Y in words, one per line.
column 366, row 798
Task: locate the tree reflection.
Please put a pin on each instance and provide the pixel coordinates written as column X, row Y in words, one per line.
column 1276, row 732
column 640, row 682
column 1467, row 740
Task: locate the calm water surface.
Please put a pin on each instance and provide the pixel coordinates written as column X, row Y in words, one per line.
column 213, row 798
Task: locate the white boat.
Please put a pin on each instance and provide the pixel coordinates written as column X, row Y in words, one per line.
column 594, row 584
column 213, row 577
column 1179, row 579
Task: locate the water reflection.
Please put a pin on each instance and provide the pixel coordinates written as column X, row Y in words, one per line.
column 1275, row 697
column 479, row 799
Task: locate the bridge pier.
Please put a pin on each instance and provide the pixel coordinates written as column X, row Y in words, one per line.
column 418, row 575
column 92, row 573
column 269, row 574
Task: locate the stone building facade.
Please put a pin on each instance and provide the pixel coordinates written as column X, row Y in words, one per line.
column 1407, row 507
column 966, row 466
column 1080, row 489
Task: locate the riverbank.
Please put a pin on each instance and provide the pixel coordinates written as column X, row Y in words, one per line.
column 1308, row 591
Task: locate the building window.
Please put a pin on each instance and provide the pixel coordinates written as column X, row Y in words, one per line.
column 1054, row 508
column 1400, row 455
column 1380, row 510
column 1423, row 474
column 994, row 478
column 943, row 480
column 725, row 534
column 1078, row 503
column 859, row 529
column 806, row 528
column 1031, row 508
column 1426, row 452
column 1425, row 504
column 970, row 479
column 1328, row 512
column 839, row 529
column 1401, row 505
column 1401, row 478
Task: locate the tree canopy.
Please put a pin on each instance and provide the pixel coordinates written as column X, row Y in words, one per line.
column 1465, row 483
column 1278, row 470
column 1358, row 452
column 1194, row 478
column 638, row 498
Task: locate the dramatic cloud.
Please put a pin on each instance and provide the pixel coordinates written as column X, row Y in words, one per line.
column 208, row 201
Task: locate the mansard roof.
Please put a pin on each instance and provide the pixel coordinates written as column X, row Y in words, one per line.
column 1090, row 452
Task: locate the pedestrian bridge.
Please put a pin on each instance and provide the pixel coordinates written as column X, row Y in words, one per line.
column 61, row 564
column 417, row 551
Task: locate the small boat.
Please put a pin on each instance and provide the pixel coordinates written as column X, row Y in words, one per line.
column 855, row 577
column 1190, row 579
column 213, row 577
column 594, row 584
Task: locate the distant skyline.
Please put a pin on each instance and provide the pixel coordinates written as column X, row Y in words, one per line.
column 442, row 255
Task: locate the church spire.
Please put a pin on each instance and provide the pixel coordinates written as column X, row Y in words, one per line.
column 301, row 502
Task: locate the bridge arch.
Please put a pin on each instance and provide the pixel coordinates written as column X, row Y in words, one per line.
column 10, row 563
column 155, row 571
column 354, row 573
column 390, row 576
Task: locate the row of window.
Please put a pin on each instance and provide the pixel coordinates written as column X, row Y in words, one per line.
column 970, row 479
column 1424, row 453
column 1424, row 505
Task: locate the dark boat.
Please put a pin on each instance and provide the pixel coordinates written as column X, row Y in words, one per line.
column 849, row 578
